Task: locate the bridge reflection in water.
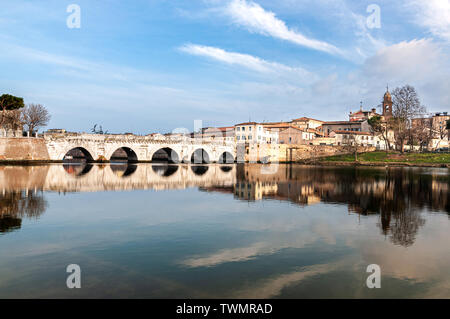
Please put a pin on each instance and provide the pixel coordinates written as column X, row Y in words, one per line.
column 396, row 195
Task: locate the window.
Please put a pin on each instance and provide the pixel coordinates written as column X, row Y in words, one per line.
column 250, row 128
column 249, row 137
column 238, row 138
column 243, row 129
column 238, row 129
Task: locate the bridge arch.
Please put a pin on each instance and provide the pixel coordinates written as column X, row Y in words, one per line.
column 165, row 170
column 226, row 158
column 123, row 170
column 226, row 169
column 165, row 155
column 78, row 154
column 200, row 156
column 124, row 154
column 199, row 170
column 76, row 169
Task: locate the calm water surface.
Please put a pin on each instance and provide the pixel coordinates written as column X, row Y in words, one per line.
column 238, row 231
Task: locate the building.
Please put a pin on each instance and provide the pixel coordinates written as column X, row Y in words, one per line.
column 225, row 133
column 387, row 105
column 436, row 127
column 361, row 115
column 55, row 131
column 352, row 126
column 307, row 123
column 330, row 141
column 353, row 138
column 252, row 132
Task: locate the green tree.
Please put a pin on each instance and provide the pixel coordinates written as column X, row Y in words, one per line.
column 9, row 102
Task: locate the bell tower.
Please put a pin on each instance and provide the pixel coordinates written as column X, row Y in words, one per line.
column 387, row 104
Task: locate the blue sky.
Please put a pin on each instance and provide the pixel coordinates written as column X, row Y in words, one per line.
column 156, row 65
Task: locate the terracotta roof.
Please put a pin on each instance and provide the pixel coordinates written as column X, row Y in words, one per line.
column 246, row 123
column 279, row 125
column 306, row 119
column 275, row 123
column 311, row 130
column 226, row 128
column 342, row 122
column 352, row 132
column 364, row 112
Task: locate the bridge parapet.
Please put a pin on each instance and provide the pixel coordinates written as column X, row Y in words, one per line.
column 118, row 138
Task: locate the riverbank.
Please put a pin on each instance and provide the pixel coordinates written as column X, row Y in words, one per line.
column 389, row 159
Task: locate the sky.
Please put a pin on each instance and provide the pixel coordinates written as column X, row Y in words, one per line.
column 147, row 66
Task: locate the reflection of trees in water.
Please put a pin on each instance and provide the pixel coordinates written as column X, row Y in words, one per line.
column 405, row 226
column 397, row 195
column 14, row 206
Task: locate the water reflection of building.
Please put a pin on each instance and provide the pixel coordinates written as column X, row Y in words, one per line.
column 397, row 196
column 254, row 191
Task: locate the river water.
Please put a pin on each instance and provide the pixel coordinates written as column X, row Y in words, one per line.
column 236, row 231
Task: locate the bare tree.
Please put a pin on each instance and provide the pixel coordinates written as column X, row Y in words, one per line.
column 406, row 106
column 13, row 119
column 422, row 132
column 35, row 116
column 381, row 128
column 350, row 144
column 440, row 131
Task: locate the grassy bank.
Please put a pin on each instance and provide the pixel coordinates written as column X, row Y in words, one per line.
column 383, row 157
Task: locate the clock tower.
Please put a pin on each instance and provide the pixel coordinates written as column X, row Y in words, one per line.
column 387, row 104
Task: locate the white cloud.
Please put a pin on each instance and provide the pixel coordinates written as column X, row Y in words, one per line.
column 258, row 20
column 434, row 15
column 243, row 60
column 416, row 60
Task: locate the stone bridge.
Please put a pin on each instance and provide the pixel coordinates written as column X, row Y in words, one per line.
column 102, row 148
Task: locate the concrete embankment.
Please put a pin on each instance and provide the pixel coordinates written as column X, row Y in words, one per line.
column 23, row 150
